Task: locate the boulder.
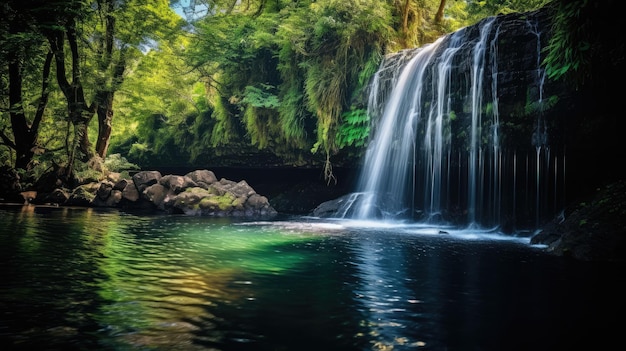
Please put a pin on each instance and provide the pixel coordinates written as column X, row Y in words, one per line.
column 221, row 199
column 177, row 183
column 197, row 193
column 121, row 184
column 156, row 194
column 144, row 179
column 58, row 196
column 130, row 192
column 203, row 178
column 83, row 195
column 104, row 191
column 594, row 230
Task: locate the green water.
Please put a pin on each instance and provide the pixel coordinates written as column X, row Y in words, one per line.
column 82, row 279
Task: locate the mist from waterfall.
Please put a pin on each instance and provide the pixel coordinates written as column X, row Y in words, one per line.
column 436, row 154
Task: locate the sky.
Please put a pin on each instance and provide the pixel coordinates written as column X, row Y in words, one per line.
column 182, row 4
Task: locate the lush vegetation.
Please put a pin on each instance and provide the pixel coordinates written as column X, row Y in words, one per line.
column 582, row 43
column 82, row 80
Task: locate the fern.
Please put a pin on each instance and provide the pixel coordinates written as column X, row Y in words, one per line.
column 260, row 97
column 354, row 129
column 568, row 52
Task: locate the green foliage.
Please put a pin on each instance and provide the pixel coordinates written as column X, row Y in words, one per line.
column 483, row 8
column 336, row 46
column 260, row 97
column 289, row 74
column 164, row 113
column 354, row 129
column 568, row 53
column 465, row 13
column 223, row 131
column 257, row 127
column 582, row 41
column 138, row 150
column 293, row 116
column 119, row 163
column 533, row 107
column 281, row 75
column 90, row 171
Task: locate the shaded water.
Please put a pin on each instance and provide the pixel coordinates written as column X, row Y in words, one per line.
column 81, row 279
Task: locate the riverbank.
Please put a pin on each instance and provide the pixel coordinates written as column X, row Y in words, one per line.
column 198, row 192
column 593, row 230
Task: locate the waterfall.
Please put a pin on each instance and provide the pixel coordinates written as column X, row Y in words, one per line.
column 386, row 181
column 436, row 153
column 476, row 92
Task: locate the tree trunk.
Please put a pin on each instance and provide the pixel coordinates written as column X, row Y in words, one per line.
column 104, row 98
column 105, row 119
column 439, row 15
column 78, row 112
column 24, row 135
column 405, row 17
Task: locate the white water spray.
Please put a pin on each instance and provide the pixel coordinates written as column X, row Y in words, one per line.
column 435, row 153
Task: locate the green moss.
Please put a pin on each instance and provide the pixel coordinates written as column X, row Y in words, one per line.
column 215, row 202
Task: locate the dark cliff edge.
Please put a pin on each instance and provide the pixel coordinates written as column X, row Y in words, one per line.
column 593, row 230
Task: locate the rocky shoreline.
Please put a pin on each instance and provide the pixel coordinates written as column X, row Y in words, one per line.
column 196, row 193
column 593, row 230
column 589, row 230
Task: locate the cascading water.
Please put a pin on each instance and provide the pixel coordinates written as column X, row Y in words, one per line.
column 394, row 147
column 436, row 153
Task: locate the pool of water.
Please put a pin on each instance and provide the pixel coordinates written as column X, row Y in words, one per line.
column 86, row 279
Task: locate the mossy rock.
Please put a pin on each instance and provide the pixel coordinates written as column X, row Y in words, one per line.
column 218, row 203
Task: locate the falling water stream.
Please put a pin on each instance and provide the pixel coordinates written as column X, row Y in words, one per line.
column 436, row 153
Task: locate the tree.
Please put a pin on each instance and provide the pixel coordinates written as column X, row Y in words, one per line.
column 94, row 40
column 79, row 112
column 124, row 29
column 286, row 72
column 161, row 109
column 23, row 50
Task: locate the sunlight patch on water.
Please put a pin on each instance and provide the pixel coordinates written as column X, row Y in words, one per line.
column 302, row 228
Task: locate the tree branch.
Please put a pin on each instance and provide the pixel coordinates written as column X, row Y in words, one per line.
column 6, row 141
column 43, row 102
column 56, row 43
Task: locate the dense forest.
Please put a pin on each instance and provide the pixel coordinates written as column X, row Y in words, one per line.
column 94, row 85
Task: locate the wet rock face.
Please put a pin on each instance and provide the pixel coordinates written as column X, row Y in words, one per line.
column 512, row 77
column 590, row 231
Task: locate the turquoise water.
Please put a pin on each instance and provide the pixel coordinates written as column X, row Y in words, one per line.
column 83, row 279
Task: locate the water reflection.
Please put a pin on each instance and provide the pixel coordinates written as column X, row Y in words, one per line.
column 166, row 287
column 83, row 279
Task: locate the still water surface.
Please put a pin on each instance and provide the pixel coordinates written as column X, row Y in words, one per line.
column 81, row 279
